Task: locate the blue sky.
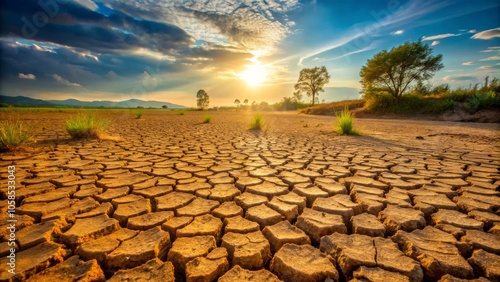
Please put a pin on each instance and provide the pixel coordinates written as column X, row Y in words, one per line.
column 247, row 49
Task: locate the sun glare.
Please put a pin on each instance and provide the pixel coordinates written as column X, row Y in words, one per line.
column 255, row 74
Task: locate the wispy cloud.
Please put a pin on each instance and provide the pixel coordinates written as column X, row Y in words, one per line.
column 472, row 31
column 485, row 67
column 27, row 76
column 459, row 78
column 470, row 63
column 439, row 36
column 487, row 34
column 435, row 42
column 491, row 49
column 398, row 32
column 492, row 58
column 63, row 81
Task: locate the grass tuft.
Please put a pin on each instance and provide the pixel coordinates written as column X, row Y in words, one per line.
column 344, row 123
column 139, row 113
column 207, row 118
column 86, row 126
column 256, row 122
column 182, row 112
column 13, row 134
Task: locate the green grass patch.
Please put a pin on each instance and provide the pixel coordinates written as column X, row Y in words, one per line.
column 182, row 112
column 139, row 113
column 207, row 118
column 86, row 126
column 345, row 123
column 256, row 122
column 14, row 134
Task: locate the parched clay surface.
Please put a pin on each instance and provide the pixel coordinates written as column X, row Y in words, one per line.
column 173, row 199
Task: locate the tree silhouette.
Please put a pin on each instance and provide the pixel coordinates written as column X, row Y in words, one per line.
column 393, row 71
column 237, row 102
column 203, row 100
column 245, row 102
column 311, row 81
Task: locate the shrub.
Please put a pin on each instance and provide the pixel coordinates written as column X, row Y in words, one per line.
column 13, row 134
column 182, row 112
column 207, row 118
column 138, row 113
column 344, row 123
column 408, row 104
column 86, row 126
column 256, row 122
column 483, row 100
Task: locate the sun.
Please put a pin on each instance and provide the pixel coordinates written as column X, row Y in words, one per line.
column 255, row 74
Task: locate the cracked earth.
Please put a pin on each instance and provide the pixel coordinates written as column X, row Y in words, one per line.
column 178, row 200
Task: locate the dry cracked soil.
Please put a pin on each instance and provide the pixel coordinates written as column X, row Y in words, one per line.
column 173, row 199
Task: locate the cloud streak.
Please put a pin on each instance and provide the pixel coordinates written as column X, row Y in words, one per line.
column 63, row 81
column 439, row 36
column 487, row 34
column 492, row 58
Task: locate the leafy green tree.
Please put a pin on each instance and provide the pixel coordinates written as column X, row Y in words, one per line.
column 203, row 100
column 396, row 69
column 311, row 81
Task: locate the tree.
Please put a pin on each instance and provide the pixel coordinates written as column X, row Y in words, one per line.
column 203, row 100
column 297, row 96
column 245, row 102
column 237, row 102
column 165, row 106
column 311, row 81
column 394, row 70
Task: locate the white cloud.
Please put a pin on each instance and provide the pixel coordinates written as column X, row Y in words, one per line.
column 472, row 31
column 27, row 76
column 485, row 67
column 435, row 42
column 398, row 32
column 492, row 58
column 439, row 36
column 491, row 49
column 459, row 78
column 487, row 34
column 63, row 81
column 470, row 63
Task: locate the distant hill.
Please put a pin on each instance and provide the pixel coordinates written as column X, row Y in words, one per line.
column 131, row 103
column 24, row 101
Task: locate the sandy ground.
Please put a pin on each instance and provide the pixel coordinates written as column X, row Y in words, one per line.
column 178, row 199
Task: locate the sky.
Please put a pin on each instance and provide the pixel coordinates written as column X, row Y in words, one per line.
column 167, row 50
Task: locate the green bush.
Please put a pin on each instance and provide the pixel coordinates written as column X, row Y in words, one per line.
column 86, row 126
column 483, row 100
column 139, row 113
column 207, row 118
column 182, row 112
column 13, row 134
column 408, row 104
column 344, row 123
column 256, row 122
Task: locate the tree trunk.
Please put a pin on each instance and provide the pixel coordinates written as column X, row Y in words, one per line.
column 314, row 98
